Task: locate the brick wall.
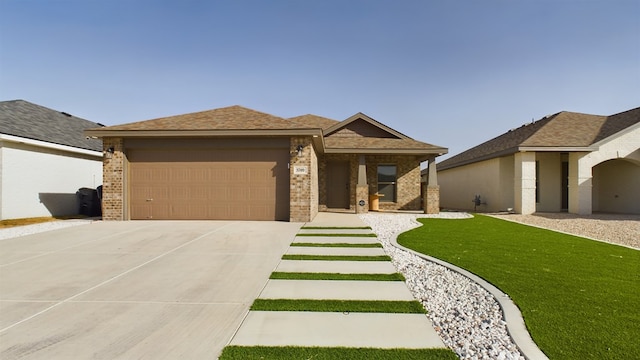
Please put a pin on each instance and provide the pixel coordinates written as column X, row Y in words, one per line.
column 303, row 187
column 113, row 181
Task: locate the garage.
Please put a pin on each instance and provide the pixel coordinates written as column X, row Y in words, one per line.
column 205, row 179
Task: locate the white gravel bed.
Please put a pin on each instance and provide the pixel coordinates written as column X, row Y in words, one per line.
column 467, row 317
column 613, row 228
column 17, row 231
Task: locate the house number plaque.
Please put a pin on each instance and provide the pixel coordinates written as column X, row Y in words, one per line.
column 300, row 170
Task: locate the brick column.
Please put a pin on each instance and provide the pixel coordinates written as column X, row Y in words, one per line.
column 362, row 189
column 113, row 180
column 431, row 192
column 303, row 183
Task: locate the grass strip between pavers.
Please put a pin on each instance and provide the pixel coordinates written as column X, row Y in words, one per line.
column 336, row 257
column 346, row 306
column 335, row 276
column 332, row 353
column 337, row 245
column 338, row 235
column 337, row 227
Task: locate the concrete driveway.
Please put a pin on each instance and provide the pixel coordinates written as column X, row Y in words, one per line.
column 134, row 290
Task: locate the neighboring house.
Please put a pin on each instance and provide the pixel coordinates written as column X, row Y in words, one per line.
column 44, row 160
column 241, row 164
column 571, row 162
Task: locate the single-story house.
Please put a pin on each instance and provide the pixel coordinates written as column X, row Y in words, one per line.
column 240, row 164
column 568, row 161
column 45, row 159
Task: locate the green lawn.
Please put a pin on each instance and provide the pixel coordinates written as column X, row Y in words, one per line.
column 337, row 257
column 335, row 276
column 580, row 298
column 338, row 245
column 366, row 306
column 328, row 353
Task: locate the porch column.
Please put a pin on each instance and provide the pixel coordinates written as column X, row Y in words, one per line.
column 580, row 183
column 431, row 195
column 362, row 189
column 524, row 183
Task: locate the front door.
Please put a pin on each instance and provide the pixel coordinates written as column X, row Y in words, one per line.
column 338, row 184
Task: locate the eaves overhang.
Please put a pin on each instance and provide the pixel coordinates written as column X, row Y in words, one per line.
column 424, row 154
column 315, row 133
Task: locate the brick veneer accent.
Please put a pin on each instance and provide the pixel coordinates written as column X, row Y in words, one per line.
column 431, row 199
column 362, row 193
column 303, row 188
column 113, row 181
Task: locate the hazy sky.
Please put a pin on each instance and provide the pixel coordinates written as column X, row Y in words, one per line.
column 447, row 72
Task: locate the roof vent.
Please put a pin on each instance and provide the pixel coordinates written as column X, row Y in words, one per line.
column 65, row 114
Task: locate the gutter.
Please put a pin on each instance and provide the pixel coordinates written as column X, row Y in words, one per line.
column 48, row 145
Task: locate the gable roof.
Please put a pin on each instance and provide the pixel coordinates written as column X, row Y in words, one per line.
column 27, row 120
column 315, row 121
column 239, row 121
column 228, row 118
column 564, row 131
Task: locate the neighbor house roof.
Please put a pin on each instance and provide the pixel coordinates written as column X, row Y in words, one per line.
column 328, row 135
column 27, row 120
column 564, row 131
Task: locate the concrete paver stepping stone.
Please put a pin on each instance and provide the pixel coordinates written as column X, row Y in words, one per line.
column 373, row 330
column 303, row 250
column 341, row 267
column 336, row 290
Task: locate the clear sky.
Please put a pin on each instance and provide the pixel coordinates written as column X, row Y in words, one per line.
column 447, row 72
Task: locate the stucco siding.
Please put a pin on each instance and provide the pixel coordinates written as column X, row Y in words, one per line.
column 43, row 182
column 459, row 186
column 549, row 181
column 616, row 187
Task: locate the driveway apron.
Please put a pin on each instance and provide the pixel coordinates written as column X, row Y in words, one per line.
column 136, row 289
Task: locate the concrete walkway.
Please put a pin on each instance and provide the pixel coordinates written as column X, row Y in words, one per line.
column 307, row 328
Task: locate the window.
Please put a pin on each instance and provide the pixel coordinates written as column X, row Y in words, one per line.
column 387, row 176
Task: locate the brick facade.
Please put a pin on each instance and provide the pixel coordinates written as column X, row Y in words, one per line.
column 303, row 180
column 307, row 181
column 113, row 180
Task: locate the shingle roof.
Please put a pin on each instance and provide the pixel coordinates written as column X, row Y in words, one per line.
column 227, row 118
column 561, row 130
column 353, row 143
column 24, row 119
column 238, row 119
column 315, row 121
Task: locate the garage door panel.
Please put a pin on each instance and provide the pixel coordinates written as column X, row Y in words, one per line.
column 209, row 184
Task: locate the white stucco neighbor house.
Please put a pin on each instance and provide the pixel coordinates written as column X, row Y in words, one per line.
column 44, row 160
column 568, row 161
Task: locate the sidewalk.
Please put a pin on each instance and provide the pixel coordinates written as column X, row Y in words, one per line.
column 336, row 329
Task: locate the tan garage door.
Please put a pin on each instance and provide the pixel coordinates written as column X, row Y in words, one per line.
column 209, row 183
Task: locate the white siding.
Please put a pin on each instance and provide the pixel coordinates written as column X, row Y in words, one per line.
column 36, row 181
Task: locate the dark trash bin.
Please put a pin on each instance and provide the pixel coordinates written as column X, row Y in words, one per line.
column 89, row 202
